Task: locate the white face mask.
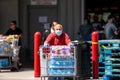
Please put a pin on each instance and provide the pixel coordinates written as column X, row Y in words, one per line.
column 52, row 31
column 58, row 32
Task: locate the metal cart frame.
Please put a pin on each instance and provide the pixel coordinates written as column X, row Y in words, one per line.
column 8, row 55
column 44, row 53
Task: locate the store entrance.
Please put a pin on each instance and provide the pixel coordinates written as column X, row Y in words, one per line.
column 97, row 11
column 40, row 18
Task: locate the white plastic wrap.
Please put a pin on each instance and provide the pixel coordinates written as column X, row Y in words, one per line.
column 5, row 49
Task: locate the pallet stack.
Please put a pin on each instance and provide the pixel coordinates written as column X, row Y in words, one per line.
column 112, row 59
column 61, row 61
column 109, row 48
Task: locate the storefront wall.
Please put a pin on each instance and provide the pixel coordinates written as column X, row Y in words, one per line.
column 70, row 14
column 8, row 11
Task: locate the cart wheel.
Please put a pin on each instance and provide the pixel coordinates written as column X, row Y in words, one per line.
column 19, row 65
column 13, row 69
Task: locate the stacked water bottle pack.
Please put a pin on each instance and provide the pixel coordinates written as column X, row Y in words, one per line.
column 61, row 61
column 4, row 62
column 5, row 48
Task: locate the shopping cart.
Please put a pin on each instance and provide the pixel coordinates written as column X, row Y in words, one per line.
column 6, row 55
column 57, row 61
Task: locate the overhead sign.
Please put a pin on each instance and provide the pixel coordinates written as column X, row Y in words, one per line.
column 43, row 2
column 42, row 19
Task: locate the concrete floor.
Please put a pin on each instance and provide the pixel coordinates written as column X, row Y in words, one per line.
column 23, row 74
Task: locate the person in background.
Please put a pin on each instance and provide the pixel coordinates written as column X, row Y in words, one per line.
column 16, row 34
column 14, row 30
column 96, row 23
column 52, row 26
column 48, row 31
column 58, row 37
column 110, row 28
column 86, row 30
column 79, row 37
column 118, row 32
column 100, row 29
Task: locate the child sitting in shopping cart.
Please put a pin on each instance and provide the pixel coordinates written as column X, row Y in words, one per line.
column 58, row 37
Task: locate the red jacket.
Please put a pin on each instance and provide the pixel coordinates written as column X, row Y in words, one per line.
column 53, row 39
